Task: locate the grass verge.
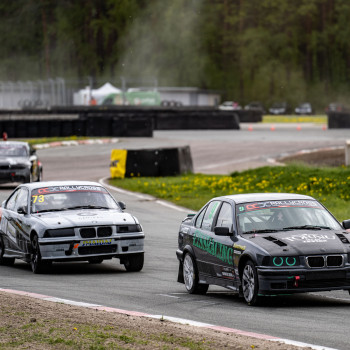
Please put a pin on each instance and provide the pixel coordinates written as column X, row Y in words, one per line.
column 56, row 139
column 328, row 185
column 318, row 119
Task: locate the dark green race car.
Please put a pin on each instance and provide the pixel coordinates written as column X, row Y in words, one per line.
column 264, row 244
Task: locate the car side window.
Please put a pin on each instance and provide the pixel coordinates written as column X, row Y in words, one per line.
column 10, row 205
column 199, row 219
column 210, row 215
column 225, row 217
column 22, row 199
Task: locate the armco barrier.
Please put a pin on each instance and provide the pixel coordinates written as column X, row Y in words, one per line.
column 338, row 120
column 151, row 162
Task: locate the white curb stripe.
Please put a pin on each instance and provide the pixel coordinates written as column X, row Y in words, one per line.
column 168, row 318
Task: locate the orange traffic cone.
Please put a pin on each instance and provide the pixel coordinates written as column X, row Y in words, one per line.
column 298, row 127
column 250, row 128
column 272, row 128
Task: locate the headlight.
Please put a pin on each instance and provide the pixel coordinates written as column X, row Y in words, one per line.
column 62, row 232
column 129, row 228
column 284, row 261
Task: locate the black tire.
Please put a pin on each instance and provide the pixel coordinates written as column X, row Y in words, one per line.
column 134, row 262
column 95, row 260
column 28, row 178
column 37, row 264
column 40, row 176
column 5, row 261
column 250, row 284
column 190, row 274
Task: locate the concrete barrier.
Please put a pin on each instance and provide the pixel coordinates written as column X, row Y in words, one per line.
column 338, row 120
column 151, row 162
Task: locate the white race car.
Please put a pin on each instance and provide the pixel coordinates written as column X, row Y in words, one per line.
column 63, row 221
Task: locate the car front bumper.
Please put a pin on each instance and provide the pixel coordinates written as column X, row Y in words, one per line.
column 13, row 175
column 287, row 281
column 83, row 249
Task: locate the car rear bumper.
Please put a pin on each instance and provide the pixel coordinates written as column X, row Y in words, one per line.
column 59, row 250
column 302, row 280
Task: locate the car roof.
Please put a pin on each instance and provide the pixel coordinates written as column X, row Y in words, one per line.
column 34, row 185
column 260, row 197
column 19, row 143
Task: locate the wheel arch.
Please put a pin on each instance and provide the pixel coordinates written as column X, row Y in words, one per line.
column 32, row 234
column 242, row 261
column 187, row 249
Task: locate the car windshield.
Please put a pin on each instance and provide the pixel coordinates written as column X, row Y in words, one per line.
column 273, row 216
column 12, row 150
column 57, row 198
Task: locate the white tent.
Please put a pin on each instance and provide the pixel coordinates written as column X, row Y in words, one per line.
column 82, row 97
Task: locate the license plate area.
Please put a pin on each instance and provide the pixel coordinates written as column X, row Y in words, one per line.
column 95, row 242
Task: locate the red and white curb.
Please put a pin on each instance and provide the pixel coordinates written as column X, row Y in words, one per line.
column 75, row 143
column 171, row 319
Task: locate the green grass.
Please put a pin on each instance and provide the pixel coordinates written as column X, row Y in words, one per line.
column 329, row 185
column 56, row 139
column 318, row 119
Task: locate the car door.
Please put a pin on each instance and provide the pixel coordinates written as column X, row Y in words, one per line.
column 7, row 222
column 12, row 222
column 203, row 238
column 21, row 220
column 224, row 252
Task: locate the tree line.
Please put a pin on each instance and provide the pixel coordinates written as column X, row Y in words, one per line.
column 266, row 50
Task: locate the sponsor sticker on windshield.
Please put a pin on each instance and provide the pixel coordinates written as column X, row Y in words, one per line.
column 277, row 204
column 73, row 188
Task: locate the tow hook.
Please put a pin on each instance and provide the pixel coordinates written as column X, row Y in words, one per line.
column 296, row 281
column 70, row 250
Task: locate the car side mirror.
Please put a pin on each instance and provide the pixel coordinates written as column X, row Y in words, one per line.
column 222, row 231
column 346, row 224
column 22, row 210
column 32, row 152
column 122, row 205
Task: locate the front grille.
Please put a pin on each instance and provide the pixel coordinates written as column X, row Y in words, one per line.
column 323, row 261
column 88, row 232
column 12, row 167
column 334, row 260
column 315, row 261
column 104, row 231
column 101, row 249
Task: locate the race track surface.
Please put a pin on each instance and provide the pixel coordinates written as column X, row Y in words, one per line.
column 320, row 318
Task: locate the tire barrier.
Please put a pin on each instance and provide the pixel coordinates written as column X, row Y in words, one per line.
column 250, row 116
column 119, row 121
column 338, row 120
column 151, row 162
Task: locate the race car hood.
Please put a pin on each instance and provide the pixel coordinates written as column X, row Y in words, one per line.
column 303, row 242
column 74, row 218
column 14, row 161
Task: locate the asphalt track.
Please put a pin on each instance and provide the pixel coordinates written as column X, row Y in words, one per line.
column 315, row 318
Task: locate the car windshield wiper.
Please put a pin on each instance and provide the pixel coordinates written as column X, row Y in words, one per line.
column 306, row 227
column 267, row 230
column 48, row 210
column 87, row 207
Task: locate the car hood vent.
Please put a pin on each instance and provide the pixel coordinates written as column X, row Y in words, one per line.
column 276, row 241
column 342, row 238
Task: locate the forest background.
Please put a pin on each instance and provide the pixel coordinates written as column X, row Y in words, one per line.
column 249, row 50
